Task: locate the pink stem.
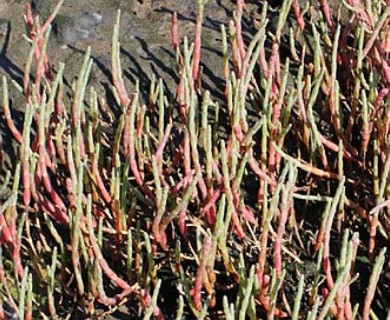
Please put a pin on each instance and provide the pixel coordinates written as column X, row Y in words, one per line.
column 174, row 31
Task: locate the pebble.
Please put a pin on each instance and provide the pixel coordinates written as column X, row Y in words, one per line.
column 4, row 26
column 69, row 30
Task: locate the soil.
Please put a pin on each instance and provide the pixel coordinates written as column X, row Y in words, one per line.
column 144, row 35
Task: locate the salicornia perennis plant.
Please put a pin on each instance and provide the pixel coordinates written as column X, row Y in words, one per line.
column 272, row 202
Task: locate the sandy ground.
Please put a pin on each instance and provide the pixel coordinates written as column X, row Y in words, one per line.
column 144, row 35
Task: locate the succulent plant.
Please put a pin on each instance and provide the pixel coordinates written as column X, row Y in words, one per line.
column 267, row 203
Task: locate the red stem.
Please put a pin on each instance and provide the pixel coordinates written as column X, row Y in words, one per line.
column 174, row 31
column 198, row 41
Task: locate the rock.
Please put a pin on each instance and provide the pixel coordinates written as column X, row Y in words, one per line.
column 4, row 25
column 69, row 30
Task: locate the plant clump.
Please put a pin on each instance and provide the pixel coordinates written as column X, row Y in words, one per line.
column 270, row 203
